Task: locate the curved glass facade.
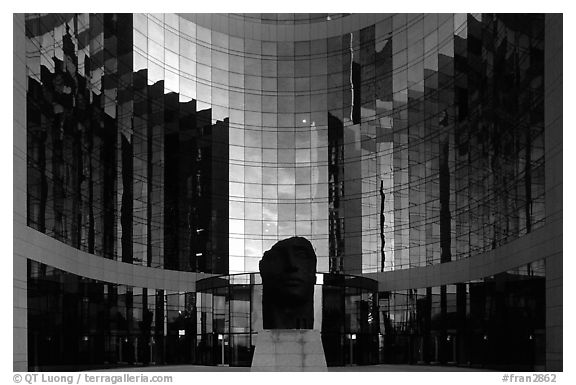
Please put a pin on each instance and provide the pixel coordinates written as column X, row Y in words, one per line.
column 230, row 315
column 412, row 141
column 495, row 322
column 78, row 323
column 194, row 143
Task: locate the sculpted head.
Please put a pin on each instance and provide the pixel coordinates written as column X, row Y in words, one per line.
column 288, row 269
column 288, row 272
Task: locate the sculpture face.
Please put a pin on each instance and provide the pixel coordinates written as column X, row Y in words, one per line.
column 288, row 273
column 288, row 270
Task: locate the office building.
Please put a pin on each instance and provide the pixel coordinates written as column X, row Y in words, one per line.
column 421, row 154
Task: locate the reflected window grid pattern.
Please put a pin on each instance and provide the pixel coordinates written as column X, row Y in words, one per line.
column 371, row 144
column 433, row 324
column 83, row 322
column 80, row 322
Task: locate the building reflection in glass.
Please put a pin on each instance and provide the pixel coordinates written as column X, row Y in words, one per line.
column 156, row 141
column 413, row 141
column 496, row 322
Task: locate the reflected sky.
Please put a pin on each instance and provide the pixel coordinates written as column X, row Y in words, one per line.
column 360, row 142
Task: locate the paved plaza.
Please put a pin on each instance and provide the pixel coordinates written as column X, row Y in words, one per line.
column 366, row 368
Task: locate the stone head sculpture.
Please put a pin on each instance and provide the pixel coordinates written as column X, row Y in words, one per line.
column 288, row 272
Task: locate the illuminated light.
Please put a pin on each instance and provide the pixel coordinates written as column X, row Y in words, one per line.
column 198, row 254
column 303, row 120
column 85, row 338
column 353, row 336
column 181, row 332
column 220, row 337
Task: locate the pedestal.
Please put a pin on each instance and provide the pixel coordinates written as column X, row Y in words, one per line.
column 283, row 350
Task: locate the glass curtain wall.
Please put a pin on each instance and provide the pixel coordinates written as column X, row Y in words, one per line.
column 120, row 163
column 496, row 322
column 412, row 141
column 230, row 317
column 76, row 323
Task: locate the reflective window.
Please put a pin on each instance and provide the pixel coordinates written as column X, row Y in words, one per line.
column 374, row 120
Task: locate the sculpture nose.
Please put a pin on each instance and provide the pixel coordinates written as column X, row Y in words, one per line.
column 291, row 264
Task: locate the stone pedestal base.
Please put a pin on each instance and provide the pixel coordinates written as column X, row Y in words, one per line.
column 283, row 350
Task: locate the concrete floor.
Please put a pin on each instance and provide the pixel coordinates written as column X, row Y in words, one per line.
column 368, row 368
